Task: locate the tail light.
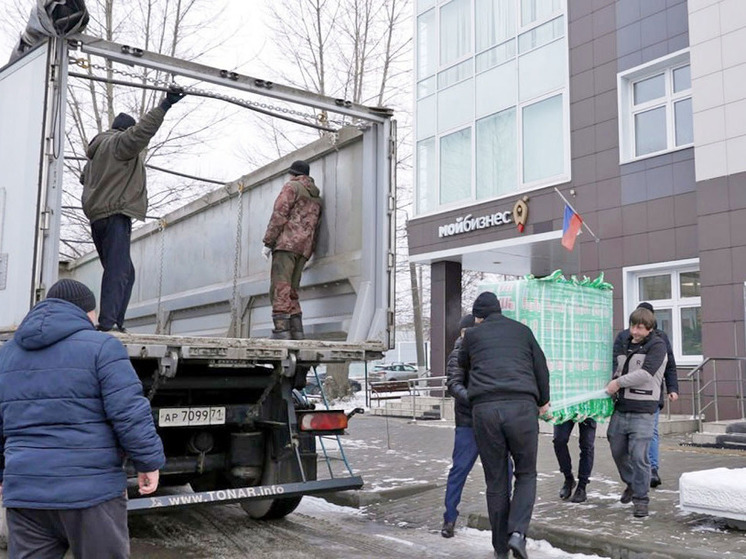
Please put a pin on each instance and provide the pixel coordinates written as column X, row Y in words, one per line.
column 326, row 421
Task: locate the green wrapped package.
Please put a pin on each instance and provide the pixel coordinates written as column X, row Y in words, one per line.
column 572, row 321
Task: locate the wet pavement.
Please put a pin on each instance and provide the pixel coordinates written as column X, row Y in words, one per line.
column 395, row 456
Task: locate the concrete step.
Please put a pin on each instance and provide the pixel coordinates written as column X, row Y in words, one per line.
column 735, row 441
column 725, row 426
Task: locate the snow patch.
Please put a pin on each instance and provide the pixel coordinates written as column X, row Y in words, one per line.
column 719, row 492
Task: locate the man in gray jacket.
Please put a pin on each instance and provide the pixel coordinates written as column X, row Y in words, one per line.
column 115, row 193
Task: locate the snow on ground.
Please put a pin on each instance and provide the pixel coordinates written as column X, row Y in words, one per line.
column 468, row 542
column 721, row 491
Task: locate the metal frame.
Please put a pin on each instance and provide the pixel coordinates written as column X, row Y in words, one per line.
column 243, row 494
column 138, row 57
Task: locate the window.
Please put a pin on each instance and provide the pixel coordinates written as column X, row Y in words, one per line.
column 674, row 291
column 455, row 31
column 455, row 166
column 655, row 103
column 492, row 99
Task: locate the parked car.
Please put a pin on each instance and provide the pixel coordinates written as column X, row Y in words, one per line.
column 313, row 388
column 394, row 371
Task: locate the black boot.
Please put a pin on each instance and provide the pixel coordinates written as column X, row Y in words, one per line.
column 282, row 327
column 567, row 488
column 655, row 479
column 517, row 544
column 296, row 327
column 579, row 496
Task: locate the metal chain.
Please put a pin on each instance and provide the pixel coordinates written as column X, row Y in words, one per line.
column 257, row 407
column 237, row 262
column 83, row 63
column 161, row 229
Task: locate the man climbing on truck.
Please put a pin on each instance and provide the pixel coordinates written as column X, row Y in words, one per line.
column 290, row 239
column 115, row 193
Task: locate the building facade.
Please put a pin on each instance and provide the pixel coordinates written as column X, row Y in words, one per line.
column 633, row 110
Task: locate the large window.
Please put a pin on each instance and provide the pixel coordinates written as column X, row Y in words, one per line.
column 499, row 85
column 655, row 102
column 674, row 291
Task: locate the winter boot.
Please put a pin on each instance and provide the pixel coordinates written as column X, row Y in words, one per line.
column 567, row 488
column 282, row 327
column 655, row 479
column 447, row 530
column 296, row 327
column 579, row 496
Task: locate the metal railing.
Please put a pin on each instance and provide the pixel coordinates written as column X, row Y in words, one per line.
column 700, row 386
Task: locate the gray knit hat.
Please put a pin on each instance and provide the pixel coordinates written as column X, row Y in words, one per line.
column 73, row 292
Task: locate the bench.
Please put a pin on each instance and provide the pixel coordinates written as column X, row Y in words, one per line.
column 383, row 390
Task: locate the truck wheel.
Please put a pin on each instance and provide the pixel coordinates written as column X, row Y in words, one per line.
column 271, row 509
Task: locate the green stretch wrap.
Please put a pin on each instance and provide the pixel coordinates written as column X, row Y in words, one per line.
column 572, row 321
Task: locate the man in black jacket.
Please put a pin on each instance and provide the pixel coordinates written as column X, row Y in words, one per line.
column 508, row 389
column 636, row 386
column 672, row 388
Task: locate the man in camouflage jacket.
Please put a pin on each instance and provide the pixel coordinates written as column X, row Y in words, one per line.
column 291, row 240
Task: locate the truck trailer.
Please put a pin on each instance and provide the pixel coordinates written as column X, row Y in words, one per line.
column 227, row 400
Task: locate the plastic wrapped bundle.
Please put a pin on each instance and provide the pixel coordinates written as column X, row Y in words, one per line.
column 572, row 321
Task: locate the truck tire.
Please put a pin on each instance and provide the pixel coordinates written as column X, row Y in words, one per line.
column 271, row 509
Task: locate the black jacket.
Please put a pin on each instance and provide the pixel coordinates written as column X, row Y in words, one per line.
column 670, row 375
column 504, row 361
column 457, row 379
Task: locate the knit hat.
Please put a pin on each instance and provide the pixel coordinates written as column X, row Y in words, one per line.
column 485, row 305
column 466, row 322
column 73, row 292
column 123, row 121
column 646, row 305
column 299, row 168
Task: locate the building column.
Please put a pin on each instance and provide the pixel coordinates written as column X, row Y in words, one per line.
column 445, row 312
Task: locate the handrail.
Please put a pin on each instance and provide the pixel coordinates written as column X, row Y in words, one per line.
column 695, row 375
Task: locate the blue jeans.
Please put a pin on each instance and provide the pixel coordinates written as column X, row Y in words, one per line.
column 653, row 452
column 629, row 437
column 464, row 455
column 111, row 235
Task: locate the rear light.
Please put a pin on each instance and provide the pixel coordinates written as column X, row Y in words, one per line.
column 322, row 421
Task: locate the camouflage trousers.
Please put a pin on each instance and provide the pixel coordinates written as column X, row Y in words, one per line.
column 284, row 281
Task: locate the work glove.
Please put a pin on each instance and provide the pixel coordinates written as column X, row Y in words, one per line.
column 174, row 95
column 266, row 252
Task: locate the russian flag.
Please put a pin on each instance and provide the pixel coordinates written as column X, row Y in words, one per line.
column 570, row 228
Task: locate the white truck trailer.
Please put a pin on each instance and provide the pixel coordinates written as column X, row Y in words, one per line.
column 224, row 397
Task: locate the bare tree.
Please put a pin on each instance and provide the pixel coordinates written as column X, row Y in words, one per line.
column 174, row 27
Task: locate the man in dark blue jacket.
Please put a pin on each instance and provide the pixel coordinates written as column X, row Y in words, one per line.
column 508, row 391
column 71, row 408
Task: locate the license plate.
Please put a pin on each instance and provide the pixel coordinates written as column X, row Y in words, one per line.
column 188, row 417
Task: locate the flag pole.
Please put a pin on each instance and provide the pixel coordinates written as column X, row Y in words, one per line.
column 573, row 209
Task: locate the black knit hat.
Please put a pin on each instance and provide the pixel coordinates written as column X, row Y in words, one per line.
column 485, row 305
column 646, row 305
column 299, row 168
column 74, row 292
column 123, row 121
column 467, row 321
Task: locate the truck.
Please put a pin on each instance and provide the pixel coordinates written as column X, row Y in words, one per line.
column 226, row 400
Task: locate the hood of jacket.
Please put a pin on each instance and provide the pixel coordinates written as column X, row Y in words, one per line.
column 309, row 184
column 49, row 322
column 96, row 142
